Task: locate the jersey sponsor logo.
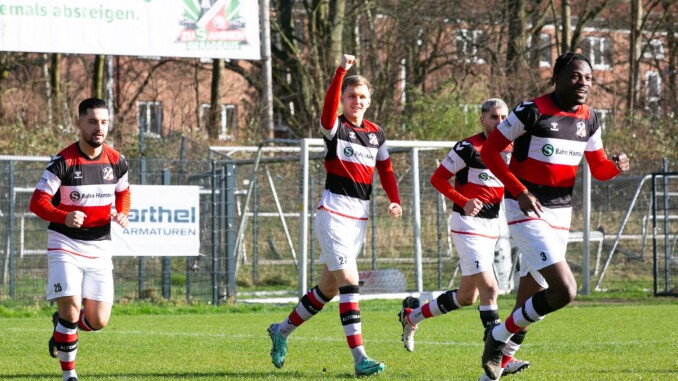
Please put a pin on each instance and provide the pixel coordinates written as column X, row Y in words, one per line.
column 547, row 150
column 554, row 126
column 75, row 195
column 349, row 152
column 484, row 176
column 108, row 174
column 581, row 129
column 373, row 139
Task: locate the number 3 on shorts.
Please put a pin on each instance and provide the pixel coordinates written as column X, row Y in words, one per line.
column 543, row 256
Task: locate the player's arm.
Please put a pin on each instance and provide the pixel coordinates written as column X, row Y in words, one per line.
column 41, row 205
column 498, row 141
column 331, row 105
column 122, row 196
column 491, row 157
column 390, row 185
column 441, row 182
column 48, row 186
column 601, row 167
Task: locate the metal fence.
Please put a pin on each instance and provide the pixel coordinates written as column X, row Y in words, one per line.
column 265, row 258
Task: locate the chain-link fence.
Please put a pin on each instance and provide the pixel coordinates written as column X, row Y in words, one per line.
column 265, row 259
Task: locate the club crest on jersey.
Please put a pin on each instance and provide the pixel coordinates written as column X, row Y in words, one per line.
column 108, row 174
column 554, row 126
column 581, row 129
column 373, row 139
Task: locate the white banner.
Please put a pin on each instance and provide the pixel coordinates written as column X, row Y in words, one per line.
column 167, row 28
column 164, row 221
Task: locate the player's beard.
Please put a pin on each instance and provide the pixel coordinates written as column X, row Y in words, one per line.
column 93, row 142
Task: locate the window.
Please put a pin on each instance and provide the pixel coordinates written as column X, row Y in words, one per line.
column 227, row 119
column 542, row 49
column 467, row 44
column 653, row 89
column 149, row 116
column 653, row 49
column 599, row 51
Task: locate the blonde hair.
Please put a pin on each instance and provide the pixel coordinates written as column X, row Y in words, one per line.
column 356, row 80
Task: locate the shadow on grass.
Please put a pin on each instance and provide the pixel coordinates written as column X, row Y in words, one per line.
column 254, row 375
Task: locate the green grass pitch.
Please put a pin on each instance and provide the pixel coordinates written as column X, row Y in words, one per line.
column 590, row 340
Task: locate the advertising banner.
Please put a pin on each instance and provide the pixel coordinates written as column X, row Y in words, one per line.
column 164, row 221
column 227, row 29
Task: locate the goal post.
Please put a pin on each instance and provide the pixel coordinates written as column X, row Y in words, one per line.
column 414, row 147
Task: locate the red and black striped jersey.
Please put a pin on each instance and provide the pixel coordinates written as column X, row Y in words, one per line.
column 472, row 179
column 73, row 181
column 351, row 155
column 548, row 145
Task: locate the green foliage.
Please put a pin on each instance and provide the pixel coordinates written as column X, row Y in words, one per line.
column 581, row 342
column 38, row 140
column 646, row 138
column 442, row 115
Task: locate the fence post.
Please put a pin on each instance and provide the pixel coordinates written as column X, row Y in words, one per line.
column 303, row 218
column 312, row 230
column 255, row 231
column 667, row 247
column 373, row 218
column 586, row 266
column 12, row 199
column 417, row 219
column 439, row 202
column 142, row 181
column 166, row 268
column 215, row 283
column 228, row 196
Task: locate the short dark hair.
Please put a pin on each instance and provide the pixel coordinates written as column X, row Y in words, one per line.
column 90, row 103
column 564, row 59
column 356, row 80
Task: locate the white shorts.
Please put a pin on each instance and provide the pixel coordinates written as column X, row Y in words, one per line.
column 475, row 240
column 541, row 241
column 341, row 239
column 72, row 273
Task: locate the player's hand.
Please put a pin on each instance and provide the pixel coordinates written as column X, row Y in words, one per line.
column 621, row 161
column 473, row 207
column 529, row 203
column 121, row 219
column 75, row 219
column 347, row 61
column 395, row 210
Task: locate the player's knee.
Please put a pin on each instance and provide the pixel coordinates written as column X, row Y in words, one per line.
column 563, row 294
column 467, row 298
column 97, row 322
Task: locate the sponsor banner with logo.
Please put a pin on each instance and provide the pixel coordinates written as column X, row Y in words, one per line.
column 164, row 221
column 154, row 28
